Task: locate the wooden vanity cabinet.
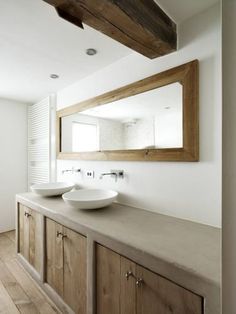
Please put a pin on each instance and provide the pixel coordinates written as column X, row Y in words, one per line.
column 66, row 265
column 124, row 287
column 29, row 236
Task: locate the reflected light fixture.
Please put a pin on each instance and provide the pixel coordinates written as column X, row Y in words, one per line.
column 130, row 122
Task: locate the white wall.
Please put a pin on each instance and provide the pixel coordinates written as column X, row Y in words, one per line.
column 168, row 129
column 13, row 159
column 229, row 157
column 110, row 134
column 140, row 134
column 187, row 190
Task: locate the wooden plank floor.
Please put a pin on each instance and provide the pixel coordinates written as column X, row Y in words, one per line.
column 18, row 292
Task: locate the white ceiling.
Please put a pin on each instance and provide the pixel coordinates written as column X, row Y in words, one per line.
column 181, row 10
column 144, row 105
column 35, row 42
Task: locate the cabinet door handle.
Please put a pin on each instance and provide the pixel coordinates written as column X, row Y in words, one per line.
column 139, row 282
column 27, row 215
column 60, row 234
column 129, row 274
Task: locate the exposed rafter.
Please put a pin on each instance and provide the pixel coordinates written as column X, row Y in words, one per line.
column 139, row 24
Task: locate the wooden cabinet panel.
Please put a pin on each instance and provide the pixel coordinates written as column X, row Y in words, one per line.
column 24, row 232
column 75, row 270
column 124, row 287
column 35, row 241
column 157, row 295
column 54, row 256
column 30, row 244
column 66, row 265
column 128, row 289
column 107, row 281
column 115, row 292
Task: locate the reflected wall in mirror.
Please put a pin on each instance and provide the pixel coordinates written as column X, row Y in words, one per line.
column 152, row 119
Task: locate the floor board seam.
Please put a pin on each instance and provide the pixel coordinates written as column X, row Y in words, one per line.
column 41, row 296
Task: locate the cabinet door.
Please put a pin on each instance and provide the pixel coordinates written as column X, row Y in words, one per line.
column 115, row 290
column 107, row 281
column 23, row 225
column 157, row 295
column 54, row 256
column 128, row 286
column 35, row 240
column 29, row 236
column 75, row 271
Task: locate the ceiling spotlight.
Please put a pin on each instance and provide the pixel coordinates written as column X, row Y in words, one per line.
column 91, row 51
column 168, row 107
column 54, row 76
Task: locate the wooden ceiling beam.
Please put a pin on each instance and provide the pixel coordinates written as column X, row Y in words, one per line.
column 139, row 24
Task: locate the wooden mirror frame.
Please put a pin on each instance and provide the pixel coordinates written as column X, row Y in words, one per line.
column 187, row 76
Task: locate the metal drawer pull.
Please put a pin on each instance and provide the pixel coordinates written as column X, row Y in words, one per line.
column 139, row 282
column 59, row 234
column 27, row 215
column 128, row 274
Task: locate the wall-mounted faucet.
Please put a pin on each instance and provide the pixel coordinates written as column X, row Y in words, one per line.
column 114, row 174
column 73, row 170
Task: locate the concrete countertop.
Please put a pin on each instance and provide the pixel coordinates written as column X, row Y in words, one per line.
column 191, row 248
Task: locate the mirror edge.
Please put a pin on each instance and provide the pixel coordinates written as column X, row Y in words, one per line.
column 188, row 75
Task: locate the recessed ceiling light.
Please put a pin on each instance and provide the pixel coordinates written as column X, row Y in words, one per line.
column 91, row 51
column 54, row 76
column 168, row 107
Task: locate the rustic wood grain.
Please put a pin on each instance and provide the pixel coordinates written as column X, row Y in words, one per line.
column 30, row 243
column 54, row 256
column 140, row 25
column 75, row 271
column 18, row 292
column 24, row 228
column 43, row 305
column 128, row 287
column 91, row 275
column 187, row 75
column 155, row 294
column 107, row 281
column 7, row 306
column 35, row 243
column 7, row 248
column 159, row 295
column 11, row 235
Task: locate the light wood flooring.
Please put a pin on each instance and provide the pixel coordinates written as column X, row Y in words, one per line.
column 18, row 292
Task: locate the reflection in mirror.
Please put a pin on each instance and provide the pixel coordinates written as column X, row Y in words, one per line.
column 149, row 120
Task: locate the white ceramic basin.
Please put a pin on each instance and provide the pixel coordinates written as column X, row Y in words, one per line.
column 52, row 189
column 89, row 198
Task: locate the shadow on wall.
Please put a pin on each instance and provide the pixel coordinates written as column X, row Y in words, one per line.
column 188, row 35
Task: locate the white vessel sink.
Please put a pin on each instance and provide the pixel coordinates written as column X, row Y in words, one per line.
column 52, row 189
column 89, row 198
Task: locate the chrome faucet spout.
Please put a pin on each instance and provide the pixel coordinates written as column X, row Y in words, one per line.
column 114, row 174
column 71, row 170
column 108, row 174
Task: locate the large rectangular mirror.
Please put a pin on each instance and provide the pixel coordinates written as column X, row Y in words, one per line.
column 152, row 119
